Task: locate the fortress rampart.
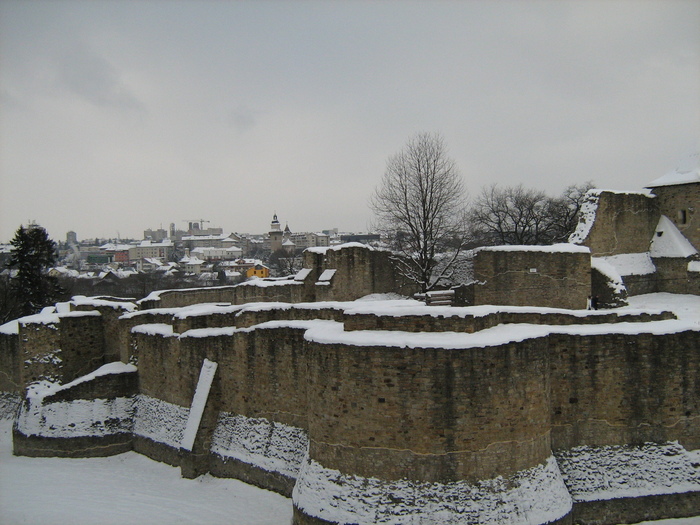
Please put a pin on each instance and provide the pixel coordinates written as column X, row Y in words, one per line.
column 356, row 416
column 385, row 411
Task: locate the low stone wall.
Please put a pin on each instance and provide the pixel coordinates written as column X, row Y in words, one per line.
column 259, row 434
column 188, row 296
column 672, row 276
column 295, row 312
column 90, row 417
column 463, row 320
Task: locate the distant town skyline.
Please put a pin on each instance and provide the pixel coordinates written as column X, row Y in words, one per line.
column 116, row 117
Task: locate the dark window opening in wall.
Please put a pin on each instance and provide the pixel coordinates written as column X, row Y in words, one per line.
column 682, row 216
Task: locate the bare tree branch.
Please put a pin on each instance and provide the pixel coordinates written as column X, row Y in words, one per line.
column 420, row 206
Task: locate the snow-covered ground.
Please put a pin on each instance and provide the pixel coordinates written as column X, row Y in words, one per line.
column 130, row 488
column 127, row 488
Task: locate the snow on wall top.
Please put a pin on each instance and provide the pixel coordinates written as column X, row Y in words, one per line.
column 324, row 249
column 165, row 330
column 668, row 241
column 155, row 295
column 46, row 316
column 554, row 248
column 265, row 283
column 332, row 333
column 410, row 307
column 302, row 274
column 81, row 300
column 44, row 388
column 327, row 275
column 228, row 331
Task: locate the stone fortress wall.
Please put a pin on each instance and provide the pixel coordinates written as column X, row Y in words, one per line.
column 389, row 411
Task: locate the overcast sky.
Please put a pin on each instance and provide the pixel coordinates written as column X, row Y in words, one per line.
column 127, row 115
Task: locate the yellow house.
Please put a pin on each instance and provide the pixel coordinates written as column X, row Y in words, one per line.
column 258, row 271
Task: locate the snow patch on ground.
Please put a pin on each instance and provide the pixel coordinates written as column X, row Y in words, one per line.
column 533, row 496
column 266, row 444
column 602, row 473
column 126, row 488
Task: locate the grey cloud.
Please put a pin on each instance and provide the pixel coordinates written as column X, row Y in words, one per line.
column 243, row 118
column 95, row 79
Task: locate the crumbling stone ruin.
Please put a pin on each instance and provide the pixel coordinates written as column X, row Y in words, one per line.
column 382, row 411
column 644, row 242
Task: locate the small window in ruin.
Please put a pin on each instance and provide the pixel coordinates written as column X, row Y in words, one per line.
column 659, row 234
column 682, row 216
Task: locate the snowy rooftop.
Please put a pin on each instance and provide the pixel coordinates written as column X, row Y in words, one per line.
column 676, row 177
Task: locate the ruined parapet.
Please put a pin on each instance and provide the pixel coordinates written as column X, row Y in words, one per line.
column 612, row 222
column 257, row 313
column 350, row 271
column 58, row 347
column 188, row 296
column 91, row 416
column 438, row 428
column 285, row 290
column 608, row 289
column 557, row 276
column 10, row 360
column 110, row 310
column 491, row 414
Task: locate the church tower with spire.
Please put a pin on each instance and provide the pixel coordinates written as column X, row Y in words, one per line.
column 275, row 234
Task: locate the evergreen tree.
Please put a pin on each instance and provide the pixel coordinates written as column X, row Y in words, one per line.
column 32, row 254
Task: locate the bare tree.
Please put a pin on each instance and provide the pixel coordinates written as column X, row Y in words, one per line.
column 420, row 206
column 516, row 215
column 566, row 210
